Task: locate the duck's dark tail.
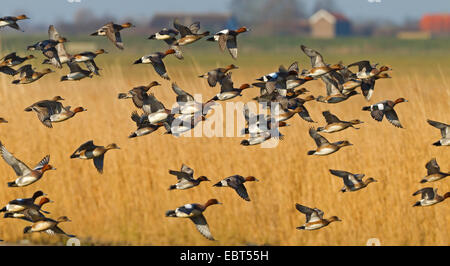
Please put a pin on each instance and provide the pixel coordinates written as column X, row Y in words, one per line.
column 423, row 181
column 153, row 36
column 63, row 78
column 245, row 142
column 320, row 129
column 12, row 184
column 437, row 143
column 133, row 135
column 416, row 204
column 211, row 39
column 3, row 209
column 366, row 108
column 170, row 213
column 74, row 156
column 301, row 227
column 16, row 81
column 139, row 61
column 311, row 152
column 172, row 187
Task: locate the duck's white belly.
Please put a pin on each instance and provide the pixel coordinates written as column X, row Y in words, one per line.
column 59, row 117
column 4, row 23
column 157, row 117
column 26, row 180
column 325, row 151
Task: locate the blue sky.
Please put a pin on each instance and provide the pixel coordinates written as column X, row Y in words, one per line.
column 48, row 11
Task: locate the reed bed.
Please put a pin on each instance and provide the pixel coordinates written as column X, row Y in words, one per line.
column 126, row 204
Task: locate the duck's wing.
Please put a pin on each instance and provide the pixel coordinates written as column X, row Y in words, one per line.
column 427, row 193
column 19, row 167
column 194, row 27
column 237, row 184
column 98, row 162
column 9, row 56
column 340, row 173
column 33, row 215
column 113, row 36
column 443, row 127
column 317, row 137
column 25, row 71
column 432, row 167
column 392, row 117
column 377, row 115
column 159, row 67
column 183, row 30
column 74, row 67
column 227, row 84
column 367, row 87
column 57, row 230
column 43, row 162
column 15, row 26
column 330, row 118
column 90, row 64
column 155, row 105
column 311, row 214
column 202, row 226
column 293, row 67
column 89, row 145
column 43, row 114
column 7, row 70
column 362, row 65
column 186, row 169
column 54, row 35
column 180, row 175
column 304, row 114
column 333, row 87
column 316, row 57
column 182, row 96
column 222, row 41
column 232, row 46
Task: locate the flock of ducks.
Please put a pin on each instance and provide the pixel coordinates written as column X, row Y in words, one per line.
column 278, row 94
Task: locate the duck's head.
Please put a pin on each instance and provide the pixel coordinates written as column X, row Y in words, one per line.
column 282, row 124
column 383, row 75
column 47, row 71
column 112, row 146
column 242, row 29
column 2, row 120
column 334, row 219
column 63, row 219
column 101, row 51
column 356, row 122
column 57, row 98
column 447, row 195
column 385, row 68
column 245, row 86
column 251, row 178
column 337, row 66
column 127, row 25
column 170, row 51
column 79, row 109
column 309, row 98
column 23, row 16
column 370, row 180
column 47, row 167
column 203, row 178
column 212, row 202
column 153, row 84
column 400, row 100
column 62, row 40
column 344, row 143
column 44, row 200
column 232, row 66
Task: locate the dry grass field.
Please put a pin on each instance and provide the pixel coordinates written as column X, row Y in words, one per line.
column 126, row 204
